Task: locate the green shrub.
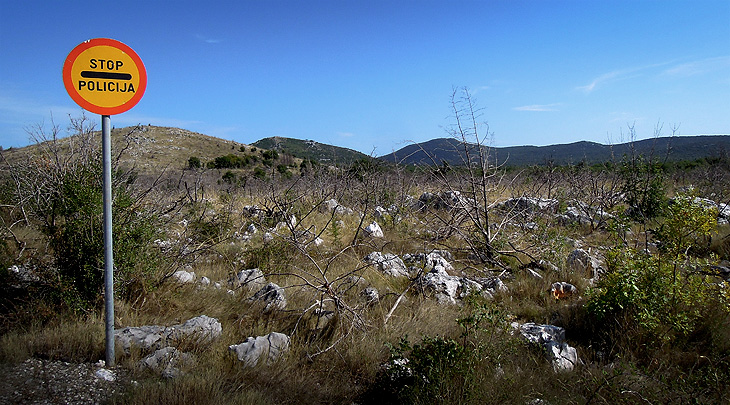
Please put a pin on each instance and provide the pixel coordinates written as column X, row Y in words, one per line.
column 284, row 171
column 229, row 177
column 444, row 370
column 643, row 187
column 687, row 226
column 259, row 173
column 77, row 239
column 663, row 297
column 194, row 163
column 230, row 161
column 269, row 154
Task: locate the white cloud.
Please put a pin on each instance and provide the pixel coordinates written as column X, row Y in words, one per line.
column 616, row 75
column 208, row 40
column 479, row 89
column 538, row 107
column 698, row 67
column 345, row 134
column 25, row 107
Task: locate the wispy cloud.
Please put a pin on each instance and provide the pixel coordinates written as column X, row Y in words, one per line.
column 698, row 67
column 602, row 79
column 538, row 107
column 21, row 113
column 27, row 107
column 208, row 40
column 479, row 89
column 617, row 75
column 345, row 134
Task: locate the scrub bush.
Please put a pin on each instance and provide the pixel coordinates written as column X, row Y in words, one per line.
column 663, row 298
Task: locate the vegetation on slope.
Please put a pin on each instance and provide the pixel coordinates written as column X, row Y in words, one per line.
column 654, row 326
column 311, row 150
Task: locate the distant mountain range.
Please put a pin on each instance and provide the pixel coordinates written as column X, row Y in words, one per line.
column 151, row 149
column 675, row 148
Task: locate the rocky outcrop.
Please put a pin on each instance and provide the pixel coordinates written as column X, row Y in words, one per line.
column 449, row 289
column 583, row 263
column 250, row 279
column 552, row 339
column 199, row 330
column 445, row 200
column 332, row 206
column 388, row 263
column 184, row 277
column 370, row 295
column 166, row 362
column 267, row 349
column 580, row 213
column 529, row 205
column 272, row 296
column 374, row 231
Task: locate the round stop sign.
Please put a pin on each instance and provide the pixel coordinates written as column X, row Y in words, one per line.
column 104, row 76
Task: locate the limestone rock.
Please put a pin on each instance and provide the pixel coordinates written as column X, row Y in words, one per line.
column 261, row 348
column 184, row 277
column 272, row 296
column 200, row 330
column 448, row 289
column 435, row 261
column 252, row 279
column 374, row 231
column 332, row 206
column 166, row 361
column 370, row 295
column 552, row 339
column 105, row 374
column 581, row 262
column 529, row 205
column 388, row 263
column 143, row 337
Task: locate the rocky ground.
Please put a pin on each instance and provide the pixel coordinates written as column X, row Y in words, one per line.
column 56, row 382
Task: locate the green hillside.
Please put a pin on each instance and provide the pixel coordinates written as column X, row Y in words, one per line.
column 312, row 150
column 670, row 148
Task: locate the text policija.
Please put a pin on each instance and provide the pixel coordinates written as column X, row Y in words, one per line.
column 108, row 78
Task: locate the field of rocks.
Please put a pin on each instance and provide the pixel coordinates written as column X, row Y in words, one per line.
column 370, row 283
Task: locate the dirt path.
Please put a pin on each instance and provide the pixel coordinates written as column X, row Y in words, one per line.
column 55, row 382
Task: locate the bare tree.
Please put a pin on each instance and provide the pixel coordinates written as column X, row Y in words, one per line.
column 464, row 202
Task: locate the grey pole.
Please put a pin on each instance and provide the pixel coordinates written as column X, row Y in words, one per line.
column 106, row 148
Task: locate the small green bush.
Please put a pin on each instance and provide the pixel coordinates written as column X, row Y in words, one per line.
column 664, row 297
column 194, row 163
column 259, row 173
column 643, row 187
column 77, row 239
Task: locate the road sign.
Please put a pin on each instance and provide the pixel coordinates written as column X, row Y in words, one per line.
column 104, row 76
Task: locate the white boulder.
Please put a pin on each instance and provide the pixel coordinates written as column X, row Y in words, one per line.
column 261, row 348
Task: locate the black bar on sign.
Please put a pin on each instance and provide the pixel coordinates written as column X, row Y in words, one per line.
column 90, row 74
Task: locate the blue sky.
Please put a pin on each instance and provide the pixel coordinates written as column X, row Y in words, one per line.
column 374, row 75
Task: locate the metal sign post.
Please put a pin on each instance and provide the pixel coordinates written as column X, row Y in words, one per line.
column 106, row 77
column 106, row 148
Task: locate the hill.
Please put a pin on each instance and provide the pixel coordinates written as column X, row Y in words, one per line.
column 149, row 148
column 311, row 150
column 673, row 148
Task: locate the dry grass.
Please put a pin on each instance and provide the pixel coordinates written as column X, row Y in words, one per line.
column 67, row 340
column 341, row 362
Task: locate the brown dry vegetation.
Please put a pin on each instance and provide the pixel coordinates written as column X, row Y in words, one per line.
column 469, row 347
